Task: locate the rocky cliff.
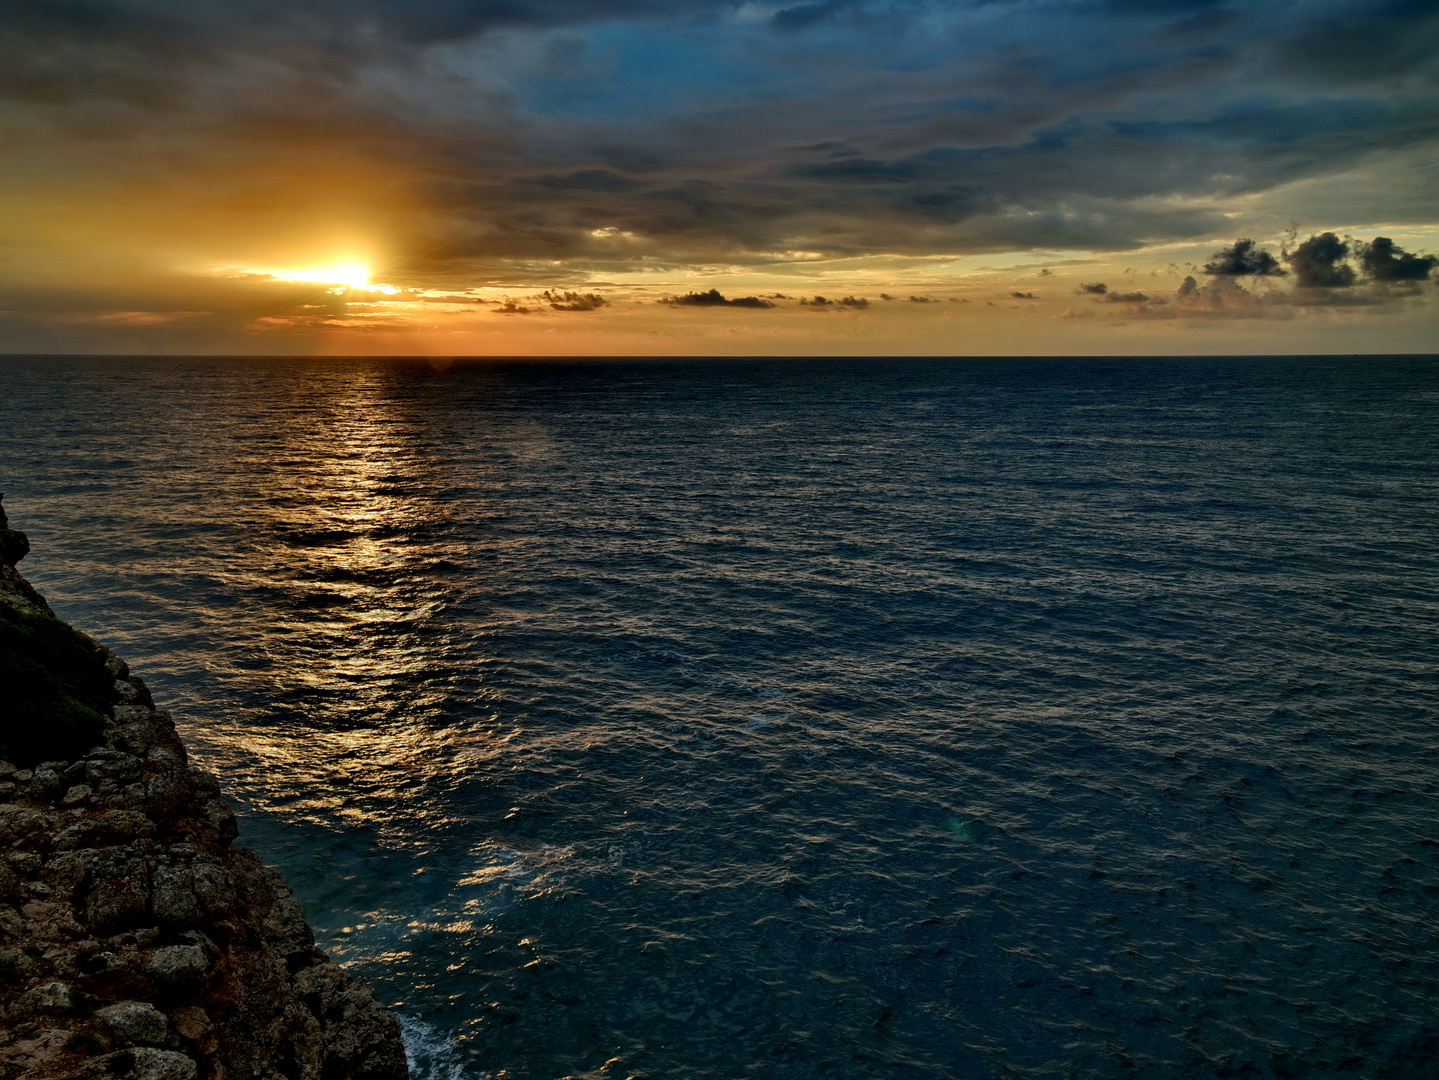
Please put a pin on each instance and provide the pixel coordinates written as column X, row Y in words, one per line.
column 136, row 941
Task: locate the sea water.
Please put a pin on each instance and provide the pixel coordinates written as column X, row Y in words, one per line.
column 844, row 719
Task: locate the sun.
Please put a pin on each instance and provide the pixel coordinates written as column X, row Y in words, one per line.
column 354, row 274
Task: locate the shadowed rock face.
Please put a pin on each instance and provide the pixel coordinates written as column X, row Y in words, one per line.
column 136, row 943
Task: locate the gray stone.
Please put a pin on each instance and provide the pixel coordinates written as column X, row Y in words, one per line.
column 10, row 883
column 287, row 929
column 46, row 783
column 117, row 668
column 112, row 765
column 130, row 714
column 137, row 1022
column 178, row 966
column 213, row 887
column 50, row 997
column 26, row 862
column 15, row 965
column 139, row 1063
column 172, row 896
column 119, row 894
column 163, row 1065
column 19, row 825
column 77, row 795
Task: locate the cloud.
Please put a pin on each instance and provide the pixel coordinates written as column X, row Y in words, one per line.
column 1383, row 260
column 714, row 298
column 1225, row 298
column 1095, row 288
column 1319, row 263
column 525, row 144
column 801, row 16
column 573, row 301
column 1023, row 295
column 1243, row 259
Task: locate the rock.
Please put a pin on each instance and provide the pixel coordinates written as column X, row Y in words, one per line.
column 11, row 885
column 14, row 546
column 46, row 783
column 287, row 929
column 119, row 894
column 361, row 1037
column 140, row 1063
column 127, row 915
column 178, row 967
column 137, row 1022
column 213, row 887
column 19, row 825
column 15, row 966
column 192, row 1023
column 173, row 899
column 114, row 765
column 53, row 997
column 25, row 863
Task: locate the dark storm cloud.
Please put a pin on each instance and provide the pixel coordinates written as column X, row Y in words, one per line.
column 1096, row 288
column 1366, row 41
column 1243, row 259
column 1320, row 263
column 1382, row 260
column 609, row 135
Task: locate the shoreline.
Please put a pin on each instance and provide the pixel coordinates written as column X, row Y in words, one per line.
column 137, row 942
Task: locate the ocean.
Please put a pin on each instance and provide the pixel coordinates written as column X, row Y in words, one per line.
column 797, row 718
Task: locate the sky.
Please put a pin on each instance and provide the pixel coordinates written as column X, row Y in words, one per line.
column 696, row 177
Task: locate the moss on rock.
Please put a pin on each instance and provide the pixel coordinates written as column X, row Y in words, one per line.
column 58, row 687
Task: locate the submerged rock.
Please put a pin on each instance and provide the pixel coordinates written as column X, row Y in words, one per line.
column 136, row 942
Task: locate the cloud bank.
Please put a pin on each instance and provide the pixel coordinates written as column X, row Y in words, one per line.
column 560, row 145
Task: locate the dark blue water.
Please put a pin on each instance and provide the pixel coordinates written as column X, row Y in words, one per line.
column 798, row 719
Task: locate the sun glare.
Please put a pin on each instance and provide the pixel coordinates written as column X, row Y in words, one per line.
column 339, row 277
column 355, row 275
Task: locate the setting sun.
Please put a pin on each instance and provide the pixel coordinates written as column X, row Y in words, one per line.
column 354, row 274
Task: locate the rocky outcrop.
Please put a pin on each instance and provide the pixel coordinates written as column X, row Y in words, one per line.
column 136, row 941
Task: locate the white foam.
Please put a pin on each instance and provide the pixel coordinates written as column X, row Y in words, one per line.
column 431, row 1054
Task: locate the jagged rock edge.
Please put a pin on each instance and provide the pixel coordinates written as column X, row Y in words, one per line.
column 136, row 941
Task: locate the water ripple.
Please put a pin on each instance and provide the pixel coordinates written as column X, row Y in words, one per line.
column 798, row 719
